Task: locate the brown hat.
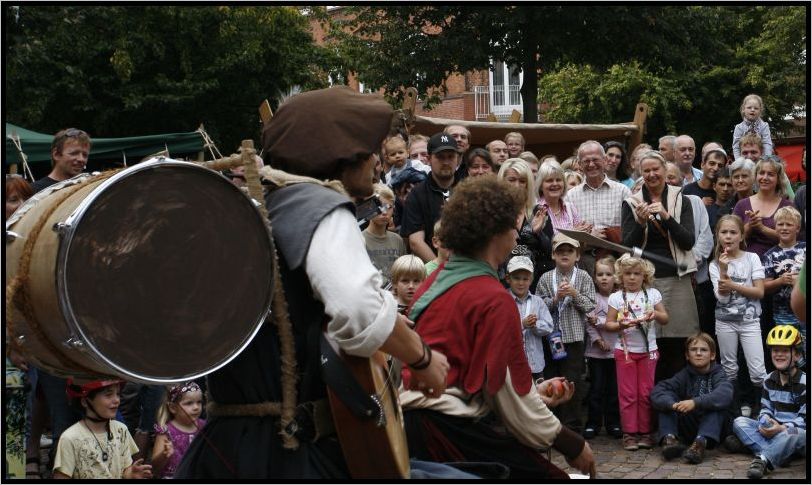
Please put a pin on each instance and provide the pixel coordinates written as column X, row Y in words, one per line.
column 316, row 132
column 562, row 238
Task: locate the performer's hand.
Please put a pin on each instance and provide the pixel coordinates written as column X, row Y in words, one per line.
column 585, row 462
column 685, row 406
column 553, row 401
column 431, row 381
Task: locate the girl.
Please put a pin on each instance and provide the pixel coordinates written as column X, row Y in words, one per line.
column 178, row 423
column 408, row 271
column 97, row 446
column 602, row 398
column 751, row 110
column 738, row 282
column 632, row 312
column 573, row 178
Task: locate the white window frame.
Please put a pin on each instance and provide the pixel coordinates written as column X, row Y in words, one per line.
column 505, row 90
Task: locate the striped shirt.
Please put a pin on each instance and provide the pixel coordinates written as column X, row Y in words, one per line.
column 599, row 206
column 785, row 403
column 566, row 219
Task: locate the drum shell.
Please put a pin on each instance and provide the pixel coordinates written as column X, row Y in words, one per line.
column 52, row 302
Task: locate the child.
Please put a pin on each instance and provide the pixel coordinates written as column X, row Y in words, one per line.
column 693, row 405
column 515, row 144
column 570, row 295
column 178, row 423
column 573, row 179
column 383, row 246
column 442, row 252
column 418, row 148
column 782, row 263
column 536, row 319
column 600, row 357
column 751, row 110
column 97, row 446
column 780, row 431
column 397, row 157
column 738, row 284
column 632, row 310
column 408, row 271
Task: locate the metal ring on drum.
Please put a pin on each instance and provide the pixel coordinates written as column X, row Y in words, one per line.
column 160, row 273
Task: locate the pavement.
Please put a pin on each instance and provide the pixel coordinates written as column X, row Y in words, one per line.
column 616, row 463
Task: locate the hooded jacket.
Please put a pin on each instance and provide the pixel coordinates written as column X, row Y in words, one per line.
column 711, row 392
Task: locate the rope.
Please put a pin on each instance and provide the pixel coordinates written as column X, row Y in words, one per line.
column 16, row 140
column 18, row 291
column 208, row 143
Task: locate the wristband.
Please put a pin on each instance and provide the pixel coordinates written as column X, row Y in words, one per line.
column 420, row 365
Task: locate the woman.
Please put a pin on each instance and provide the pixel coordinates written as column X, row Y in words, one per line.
column 660, row 220
column 551, row 187
column 757, row 210
column 741, row 175
column 490, row 410
column 18, row 190
column 532, row 241
column 479, row 162
column 617, row 165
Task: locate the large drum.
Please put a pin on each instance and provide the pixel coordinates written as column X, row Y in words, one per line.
column 161, row 272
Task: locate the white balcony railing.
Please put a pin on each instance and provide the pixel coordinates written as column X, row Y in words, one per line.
column 497, row 100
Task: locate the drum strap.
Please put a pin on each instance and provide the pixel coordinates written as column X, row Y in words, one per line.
column 18, row 291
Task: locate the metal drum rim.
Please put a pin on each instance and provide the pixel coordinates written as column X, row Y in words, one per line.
column 66, row 237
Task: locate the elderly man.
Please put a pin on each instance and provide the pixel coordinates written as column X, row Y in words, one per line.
column 499, row 152
column 599, row 199
column 685, row 151
column 425, row 202
column 712, row 162
column 329, row 282
column 69, row 151
column 753, row 148
column 666, row 147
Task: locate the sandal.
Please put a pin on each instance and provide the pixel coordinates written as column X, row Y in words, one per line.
column 32, row 468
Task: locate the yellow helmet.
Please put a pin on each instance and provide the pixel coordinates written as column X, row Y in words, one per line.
column 784, row 335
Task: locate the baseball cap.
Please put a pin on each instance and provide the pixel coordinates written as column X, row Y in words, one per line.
column 441, row 141
column 519, row 262
column 562, row 238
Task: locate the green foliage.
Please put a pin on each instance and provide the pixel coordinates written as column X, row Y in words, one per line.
column 137, row 70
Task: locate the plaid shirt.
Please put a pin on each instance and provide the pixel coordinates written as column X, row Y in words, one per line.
column 572, row 317
column 599, row 206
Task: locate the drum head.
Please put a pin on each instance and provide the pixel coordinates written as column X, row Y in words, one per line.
column 167, row 271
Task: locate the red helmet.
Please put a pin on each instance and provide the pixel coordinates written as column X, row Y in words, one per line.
column 82, row 390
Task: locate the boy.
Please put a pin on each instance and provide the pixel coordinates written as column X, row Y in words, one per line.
column 536, row 319
column 780, row 431
column 383, row 246
column 98, row 446
column 723, row 186
column 782, row 263
column 397, row 157
column 442, row 252
column 408, row 271
column 692, row 406
column 570, row 295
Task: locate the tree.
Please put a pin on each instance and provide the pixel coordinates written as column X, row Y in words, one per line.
column 134, row 70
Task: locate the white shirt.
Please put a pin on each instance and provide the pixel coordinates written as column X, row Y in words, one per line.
column 734, row 307
column 636, row 303
column 362, row 314
column 703, row 235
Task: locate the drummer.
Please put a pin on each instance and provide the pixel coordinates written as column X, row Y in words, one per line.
column 69, row 152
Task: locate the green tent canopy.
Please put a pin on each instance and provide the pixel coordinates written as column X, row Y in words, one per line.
column 37, row 146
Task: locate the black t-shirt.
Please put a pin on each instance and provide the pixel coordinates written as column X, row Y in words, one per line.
column 694, row 189
column 423, row 208
column 43, row 183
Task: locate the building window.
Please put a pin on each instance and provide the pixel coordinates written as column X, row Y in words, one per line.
column 505, row 85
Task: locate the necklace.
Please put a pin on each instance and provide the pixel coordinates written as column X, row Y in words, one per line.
column 105, row 455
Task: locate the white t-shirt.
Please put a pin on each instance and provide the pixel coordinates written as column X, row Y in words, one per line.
column 636, row 306
column 79, row 453
column 734, row 307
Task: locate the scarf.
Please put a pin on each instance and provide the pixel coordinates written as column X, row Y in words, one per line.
column 457, row 268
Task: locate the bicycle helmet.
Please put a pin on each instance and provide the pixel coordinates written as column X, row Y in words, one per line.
column 784, row 335
column 75, row 390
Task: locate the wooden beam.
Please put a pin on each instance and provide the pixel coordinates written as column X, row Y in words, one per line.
column 640, row 115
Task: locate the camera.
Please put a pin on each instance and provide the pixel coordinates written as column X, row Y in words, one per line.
column 368, row 209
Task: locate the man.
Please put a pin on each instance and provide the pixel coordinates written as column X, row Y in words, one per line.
column 461, row 135
column 711, row 145
column 685, row 150
column 712, row 162
column 69, row 151
column 666, row 147
column 499, row 152
column 598, row 200
column 753, row 148
column 425, row 202
column 268, row 415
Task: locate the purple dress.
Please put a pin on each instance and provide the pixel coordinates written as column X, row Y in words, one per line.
column 757, row 242
column 180, row 442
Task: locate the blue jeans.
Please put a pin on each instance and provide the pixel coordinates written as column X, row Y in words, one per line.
column 686, row 427
column 778, row 449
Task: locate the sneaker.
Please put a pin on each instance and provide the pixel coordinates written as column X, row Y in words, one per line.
column 746, row 411
column 695, row 453
column 758, row 468
column 732, row 444
column 645, row 441
column 616, row 432
column 589, row 433
column 672, row 447
column 630, row 442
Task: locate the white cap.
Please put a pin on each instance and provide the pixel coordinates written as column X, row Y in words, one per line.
column 519, row 262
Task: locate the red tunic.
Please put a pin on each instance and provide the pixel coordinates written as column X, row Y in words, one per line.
column 474, row 324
